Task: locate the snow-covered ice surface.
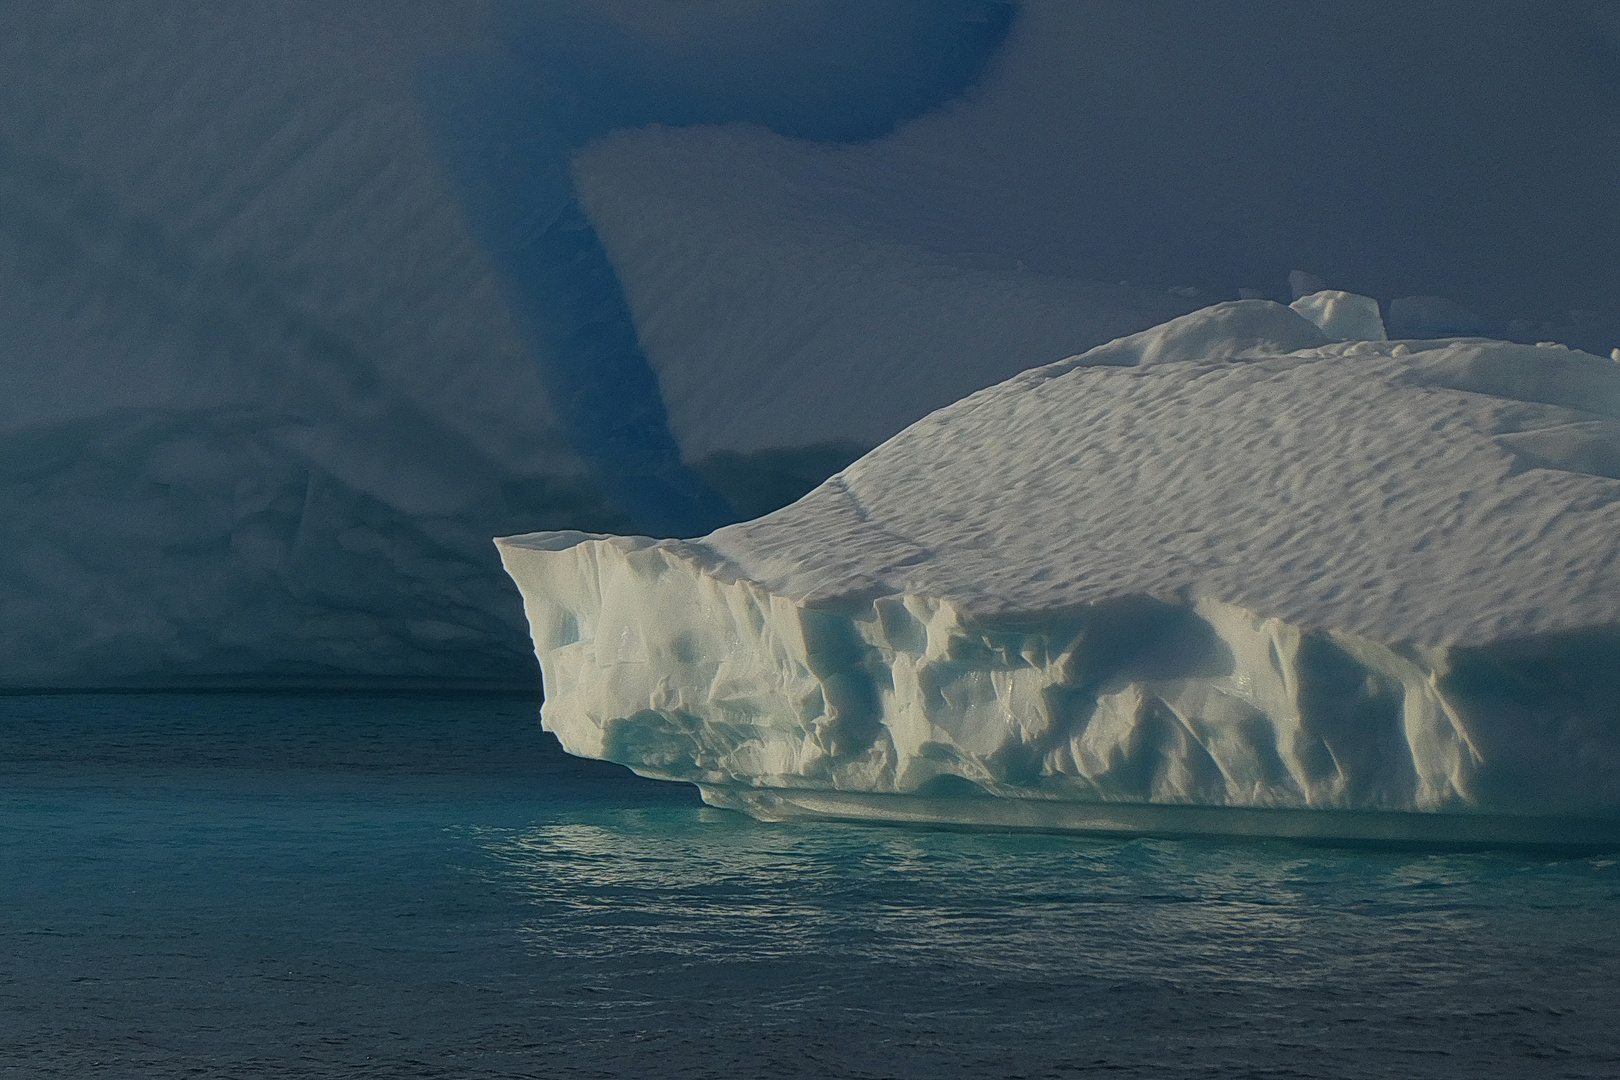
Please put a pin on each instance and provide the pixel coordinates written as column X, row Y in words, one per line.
column 1225, row 563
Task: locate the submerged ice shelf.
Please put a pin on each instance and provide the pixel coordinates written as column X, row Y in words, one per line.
column 1226, row 575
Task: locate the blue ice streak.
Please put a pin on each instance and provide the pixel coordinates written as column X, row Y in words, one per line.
column 560, row 76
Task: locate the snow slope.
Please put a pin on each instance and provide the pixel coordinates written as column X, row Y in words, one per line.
column 1225, row 562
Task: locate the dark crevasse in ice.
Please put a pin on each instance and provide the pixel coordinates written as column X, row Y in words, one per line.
column 559, row 76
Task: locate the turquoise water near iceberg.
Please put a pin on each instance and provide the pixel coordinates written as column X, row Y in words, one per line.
column 371, row 886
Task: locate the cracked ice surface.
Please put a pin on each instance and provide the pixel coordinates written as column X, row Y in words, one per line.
column 1227, row 562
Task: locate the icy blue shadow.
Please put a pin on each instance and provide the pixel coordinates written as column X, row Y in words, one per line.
column 560, row 75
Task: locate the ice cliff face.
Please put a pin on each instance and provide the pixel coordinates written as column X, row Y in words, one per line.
column 1226, row 562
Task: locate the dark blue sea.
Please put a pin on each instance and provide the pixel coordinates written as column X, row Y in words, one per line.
column 370, row 886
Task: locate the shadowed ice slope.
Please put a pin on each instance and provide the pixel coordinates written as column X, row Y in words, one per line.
column 1227, row 562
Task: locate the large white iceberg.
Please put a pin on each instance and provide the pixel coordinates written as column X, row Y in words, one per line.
column 1225, row 575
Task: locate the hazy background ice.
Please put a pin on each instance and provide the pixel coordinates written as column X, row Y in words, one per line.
column 301, row 302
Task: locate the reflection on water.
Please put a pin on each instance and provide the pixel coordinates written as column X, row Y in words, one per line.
column 413, row 887
column 705, row 884
column 1131, row 954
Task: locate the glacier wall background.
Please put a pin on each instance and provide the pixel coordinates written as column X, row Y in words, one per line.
column 300, row 303
column 299, row 310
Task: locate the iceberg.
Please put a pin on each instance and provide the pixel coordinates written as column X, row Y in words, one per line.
column 1343, row 316
column 1228, row 575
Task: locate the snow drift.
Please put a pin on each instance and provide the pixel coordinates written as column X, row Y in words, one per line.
column 1225, row 563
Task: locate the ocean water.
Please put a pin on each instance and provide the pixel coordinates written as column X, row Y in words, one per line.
column 374, row 886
